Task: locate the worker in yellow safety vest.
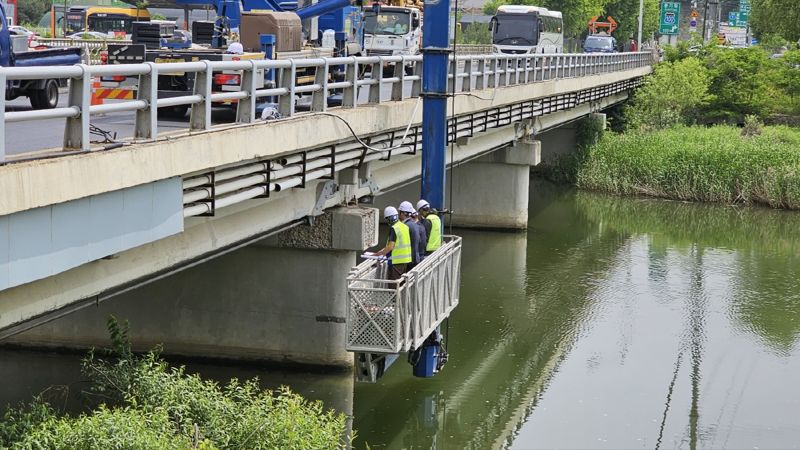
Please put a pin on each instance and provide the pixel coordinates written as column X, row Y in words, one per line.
column 398, row 246
column 433, row 226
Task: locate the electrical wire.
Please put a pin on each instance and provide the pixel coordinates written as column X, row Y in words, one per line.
column 364, row 144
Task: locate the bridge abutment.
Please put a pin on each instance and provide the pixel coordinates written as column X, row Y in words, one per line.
column 282, row 299
column 492, row 191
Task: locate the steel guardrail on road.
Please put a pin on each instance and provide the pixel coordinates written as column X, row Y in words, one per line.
column 472, row 72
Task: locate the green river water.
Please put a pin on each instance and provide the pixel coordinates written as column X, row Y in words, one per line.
column 610, row 323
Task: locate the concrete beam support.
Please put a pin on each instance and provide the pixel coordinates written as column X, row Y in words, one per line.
column 281, row 300
column 492, row 191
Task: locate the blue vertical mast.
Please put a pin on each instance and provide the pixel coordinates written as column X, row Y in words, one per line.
column 435, row 51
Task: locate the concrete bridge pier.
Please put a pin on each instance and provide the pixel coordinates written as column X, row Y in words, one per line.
column 492, row 191
column 282, row 300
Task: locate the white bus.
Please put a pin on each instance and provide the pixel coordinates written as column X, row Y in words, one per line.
column 520, row 29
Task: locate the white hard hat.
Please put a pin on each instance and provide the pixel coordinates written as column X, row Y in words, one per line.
column 423, row 204
column 406, row 208
column 389, row 212
column 235, row 48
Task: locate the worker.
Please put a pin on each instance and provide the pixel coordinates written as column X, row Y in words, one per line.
column 433, row 226
column 398, row 245
column 235, row 48
column 422, row 243
column 406, row 211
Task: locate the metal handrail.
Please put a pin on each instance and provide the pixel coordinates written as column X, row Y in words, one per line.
column 475, row 72
column 391, row 316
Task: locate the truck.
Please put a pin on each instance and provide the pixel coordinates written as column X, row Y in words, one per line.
column 43, row 94
column 391, row 30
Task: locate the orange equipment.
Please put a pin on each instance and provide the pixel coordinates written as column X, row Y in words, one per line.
column 595, row 26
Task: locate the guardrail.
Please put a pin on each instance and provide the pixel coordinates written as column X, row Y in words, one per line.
column 391, row 316
column 469, row 72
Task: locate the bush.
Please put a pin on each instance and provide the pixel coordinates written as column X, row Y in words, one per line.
column 146, row 404
column 699, row 164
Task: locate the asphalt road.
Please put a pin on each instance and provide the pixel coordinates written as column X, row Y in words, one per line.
column 23, row 137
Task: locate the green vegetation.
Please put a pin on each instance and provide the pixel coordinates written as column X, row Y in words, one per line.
column 142, row 403
column 739, row 82
column 715, row 164
column 781, row 17
column 476, row 33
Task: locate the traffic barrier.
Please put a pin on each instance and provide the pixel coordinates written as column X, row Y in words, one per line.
column 96, row 100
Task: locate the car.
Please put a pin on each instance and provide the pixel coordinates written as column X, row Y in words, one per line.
column 88, row 35
column 21, row 31
column 599, row 44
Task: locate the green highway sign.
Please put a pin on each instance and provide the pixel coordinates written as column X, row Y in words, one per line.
column 670, row 17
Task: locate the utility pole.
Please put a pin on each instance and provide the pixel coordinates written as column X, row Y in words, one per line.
column 641, row 17
column 705, row 17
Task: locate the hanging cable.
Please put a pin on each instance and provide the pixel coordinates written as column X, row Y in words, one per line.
column 364, row 144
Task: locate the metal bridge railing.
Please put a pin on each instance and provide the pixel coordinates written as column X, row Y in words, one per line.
column 391, row 316
column 470, row 72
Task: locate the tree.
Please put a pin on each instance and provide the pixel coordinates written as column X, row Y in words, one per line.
column 776, row 16
column 626, row 13
column 30, row 11
column 671, row 95
column 743, row 82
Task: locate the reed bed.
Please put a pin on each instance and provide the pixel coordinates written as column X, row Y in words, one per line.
column 715, row 164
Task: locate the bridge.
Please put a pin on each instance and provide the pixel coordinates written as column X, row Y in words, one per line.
column 269, row 212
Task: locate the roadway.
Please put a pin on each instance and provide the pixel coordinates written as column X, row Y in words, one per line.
column 30, row 136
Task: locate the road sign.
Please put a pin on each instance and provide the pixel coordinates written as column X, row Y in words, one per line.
column 693, row 24
column 670, row 15
column 694, row 14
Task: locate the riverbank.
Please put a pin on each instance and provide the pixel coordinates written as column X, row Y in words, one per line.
column 706, row 164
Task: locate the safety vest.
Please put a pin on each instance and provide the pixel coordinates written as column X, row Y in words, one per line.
column 435, row 239
column 401, row 253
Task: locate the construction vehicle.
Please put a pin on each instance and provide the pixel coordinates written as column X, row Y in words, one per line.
column 599, row 39
column 243, row 28
column 393, row 29
column 522, row 29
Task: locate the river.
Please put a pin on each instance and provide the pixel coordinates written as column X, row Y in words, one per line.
column 610, row 323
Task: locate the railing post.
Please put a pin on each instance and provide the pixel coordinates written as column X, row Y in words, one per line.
column 350, row 94
column 146, row 126
column 377, row 74
column 400, row 74
column 466, row 85
column 506, row 77
column 246, row 109
column 480, row 77
column 452, row 77
column 319, row 99
column 493, row 72
column 76, row 133
column 286, row 101
column 416, row 85
column 200, row 117
column 3, row 118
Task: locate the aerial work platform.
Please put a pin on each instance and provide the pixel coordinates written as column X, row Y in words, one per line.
column 386, row 317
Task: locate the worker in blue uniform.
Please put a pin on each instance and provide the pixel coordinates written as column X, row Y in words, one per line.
column 398, row 246
column 406, row 212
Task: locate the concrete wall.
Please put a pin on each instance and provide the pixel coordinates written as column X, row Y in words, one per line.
column 258, row 303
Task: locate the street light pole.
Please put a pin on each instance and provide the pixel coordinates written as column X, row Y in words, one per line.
column 641, row 17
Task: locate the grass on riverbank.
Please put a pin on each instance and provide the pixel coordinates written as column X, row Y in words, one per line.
column 713, row 164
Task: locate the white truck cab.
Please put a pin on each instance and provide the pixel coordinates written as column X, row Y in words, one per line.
column 392, row 30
